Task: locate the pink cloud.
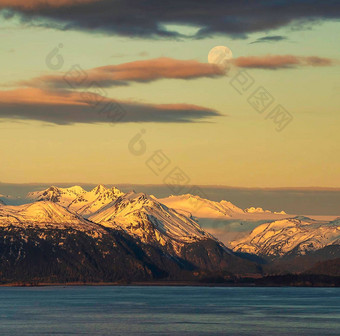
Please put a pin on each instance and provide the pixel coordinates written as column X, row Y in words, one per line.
column 138, row 71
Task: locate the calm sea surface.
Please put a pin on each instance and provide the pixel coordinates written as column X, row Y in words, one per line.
column 169, row 311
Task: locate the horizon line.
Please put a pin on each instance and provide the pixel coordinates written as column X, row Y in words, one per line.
column 311, row 188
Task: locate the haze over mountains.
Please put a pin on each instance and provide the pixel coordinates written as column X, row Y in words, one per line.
column 70, row 234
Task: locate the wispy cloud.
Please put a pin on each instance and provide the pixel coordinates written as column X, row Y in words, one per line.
column 275, row 62
column 66, row 107
column 151, row 19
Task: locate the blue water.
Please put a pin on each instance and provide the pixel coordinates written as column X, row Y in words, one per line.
column 169, row 311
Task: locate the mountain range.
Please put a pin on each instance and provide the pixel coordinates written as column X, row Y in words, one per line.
column 105, row 235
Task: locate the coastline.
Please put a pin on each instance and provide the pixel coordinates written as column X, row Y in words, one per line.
column 271, row 281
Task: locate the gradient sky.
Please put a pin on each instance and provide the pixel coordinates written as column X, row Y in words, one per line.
column 223, row 140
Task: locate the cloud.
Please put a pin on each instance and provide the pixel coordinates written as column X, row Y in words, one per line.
column 270, row 39
column 139, row 71
column 152, row 18
column 275, row 62
column 66, row 108
column 147, row 71
column 36, row 4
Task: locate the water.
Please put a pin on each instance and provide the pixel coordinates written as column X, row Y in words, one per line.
column 169, row 311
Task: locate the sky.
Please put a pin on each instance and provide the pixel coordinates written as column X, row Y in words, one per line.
column 98, row 91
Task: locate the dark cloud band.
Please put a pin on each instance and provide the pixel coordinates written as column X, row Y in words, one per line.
column 148, row 19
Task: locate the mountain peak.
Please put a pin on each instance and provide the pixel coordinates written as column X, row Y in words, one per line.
column 142, row 216
column 90, row 202
column 100, row 188
column 62, row 196
column 42, row 214
column 53, row 188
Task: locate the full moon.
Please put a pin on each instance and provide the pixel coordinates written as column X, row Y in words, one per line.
column 220, row 55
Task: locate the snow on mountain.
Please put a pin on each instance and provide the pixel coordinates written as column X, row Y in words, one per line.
column 262, row 211
column 294, row 235
column 280, row 212
column 44, row 242
column 90, row 202
column 77, row 199
column 200, row 207
column 256, row 210
column 62, row 196
column 44, row 215
column 153, row 225
column 144, row 217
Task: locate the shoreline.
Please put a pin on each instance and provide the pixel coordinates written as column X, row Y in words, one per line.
column 170, row 284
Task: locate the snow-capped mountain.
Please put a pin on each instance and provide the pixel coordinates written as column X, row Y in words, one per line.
column 77, row 199
column 132, row 238
column 62, row 196
column 44, row 242
column 144, row 217
column 298, row 235
column 89, row 202
column 44, row 215
column 154, row 224
column 200, row 207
